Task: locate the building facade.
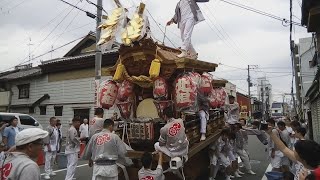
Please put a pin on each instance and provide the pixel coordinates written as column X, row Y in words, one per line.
column 63, row 87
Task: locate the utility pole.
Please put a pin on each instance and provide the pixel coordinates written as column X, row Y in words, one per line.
column 250, row 85
column 249, row 94
column 98, row 56
column 30, row 49
column 262, row 98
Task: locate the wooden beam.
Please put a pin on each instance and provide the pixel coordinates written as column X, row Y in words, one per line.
column 192, row 151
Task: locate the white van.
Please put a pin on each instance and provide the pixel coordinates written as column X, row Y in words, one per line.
column 24, row 120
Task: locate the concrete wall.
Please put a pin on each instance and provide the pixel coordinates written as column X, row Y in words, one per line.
column 307, row 73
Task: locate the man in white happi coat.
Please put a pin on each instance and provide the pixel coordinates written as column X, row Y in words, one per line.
column 145, row 173
column 72, row 148
column 219, row 153
column 204, row 118
column 233, row 111
column 96, row 124
column 18, row 165
column 187, row 15
column 51, row 145
column 173, row 139
column 103, row 151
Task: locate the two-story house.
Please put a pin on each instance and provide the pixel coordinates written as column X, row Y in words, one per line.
column 62, row 87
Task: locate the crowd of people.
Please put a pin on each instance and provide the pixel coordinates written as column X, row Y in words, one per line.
column 289, row 151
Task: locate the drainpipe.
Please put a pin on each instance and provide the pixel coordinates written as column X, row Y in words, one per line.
column 10, row 98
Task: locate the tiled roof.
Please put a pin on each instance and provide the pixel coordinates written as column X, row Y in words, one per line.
column 76, row 57
column 21, row 74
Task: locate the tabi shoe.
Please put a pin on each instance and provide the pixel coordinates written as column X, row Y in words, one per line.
column 240, row 172
column 53, row 174
column 237, row 175
column 228, row 178
column 231, row 176
column 211, row 178
column 203, row 137
column 46, row 176
column 251, row 172
column 183, row 54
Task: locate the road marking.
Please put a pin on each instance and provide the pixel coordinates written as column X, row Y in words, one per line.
column 60, row 170
column 269, row 168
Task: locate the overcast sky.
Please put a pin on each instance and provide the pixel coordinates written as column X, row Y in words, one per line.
column 230, row 35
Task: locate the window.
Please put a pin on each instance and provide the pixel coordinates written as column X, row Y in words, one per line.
column 6, row 118
column 27, row 120
column 82, row 113
column 24, row 90
column 58, row 110
column 43, row 110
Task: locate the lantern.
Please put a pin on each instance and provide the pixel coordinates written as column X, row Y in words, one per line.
column 160, row 89
column 185, row 92
column 205, row 83
column 108, row 94
column 161, row 105
column 196, row 78
column 125, row 109
column 213, row 98
column 125, row 91
column 223, row 95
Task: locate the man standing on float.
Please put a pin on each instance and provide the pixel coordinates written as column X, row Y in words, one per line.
column 187, row 14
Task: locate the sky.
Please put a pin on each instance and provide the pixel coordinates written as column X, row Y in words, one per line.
column 230, row 36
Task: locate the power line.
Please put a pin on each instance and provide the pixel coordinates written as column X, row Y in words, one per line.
column 225, row 32
column 283, row 20
column 23, row 61
column 160, row 28
column 75, row 6
column 45, row 53
column 219, row 34
column 66, row 28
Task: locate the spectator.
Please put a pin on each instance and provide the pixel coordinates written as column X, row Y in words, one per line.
column 19, row 165
column 51, row 143
column 275, row 154
column 285, row 137
column 306, row 153
column 300, row 133
column 295, row 125
column 146, row 171
column 84, row 131
column 10, row 133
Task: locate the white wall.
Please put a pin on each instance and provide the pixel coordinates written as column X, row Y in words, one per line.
column 307, row 74
column 71, row 94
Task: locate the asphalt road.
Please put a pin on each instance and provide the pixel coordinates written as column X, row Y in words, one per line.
column 257, row 155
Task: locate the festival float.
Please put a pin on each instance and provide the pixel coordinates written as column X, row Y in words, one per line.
column 149, row 77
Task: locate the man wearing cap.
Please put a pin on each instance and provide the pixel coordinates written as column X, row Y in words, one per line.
column 103, row 151
column 72, row 148
column 187, row 15
column 232, row 110
column 18, row 165
column 51, row 146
